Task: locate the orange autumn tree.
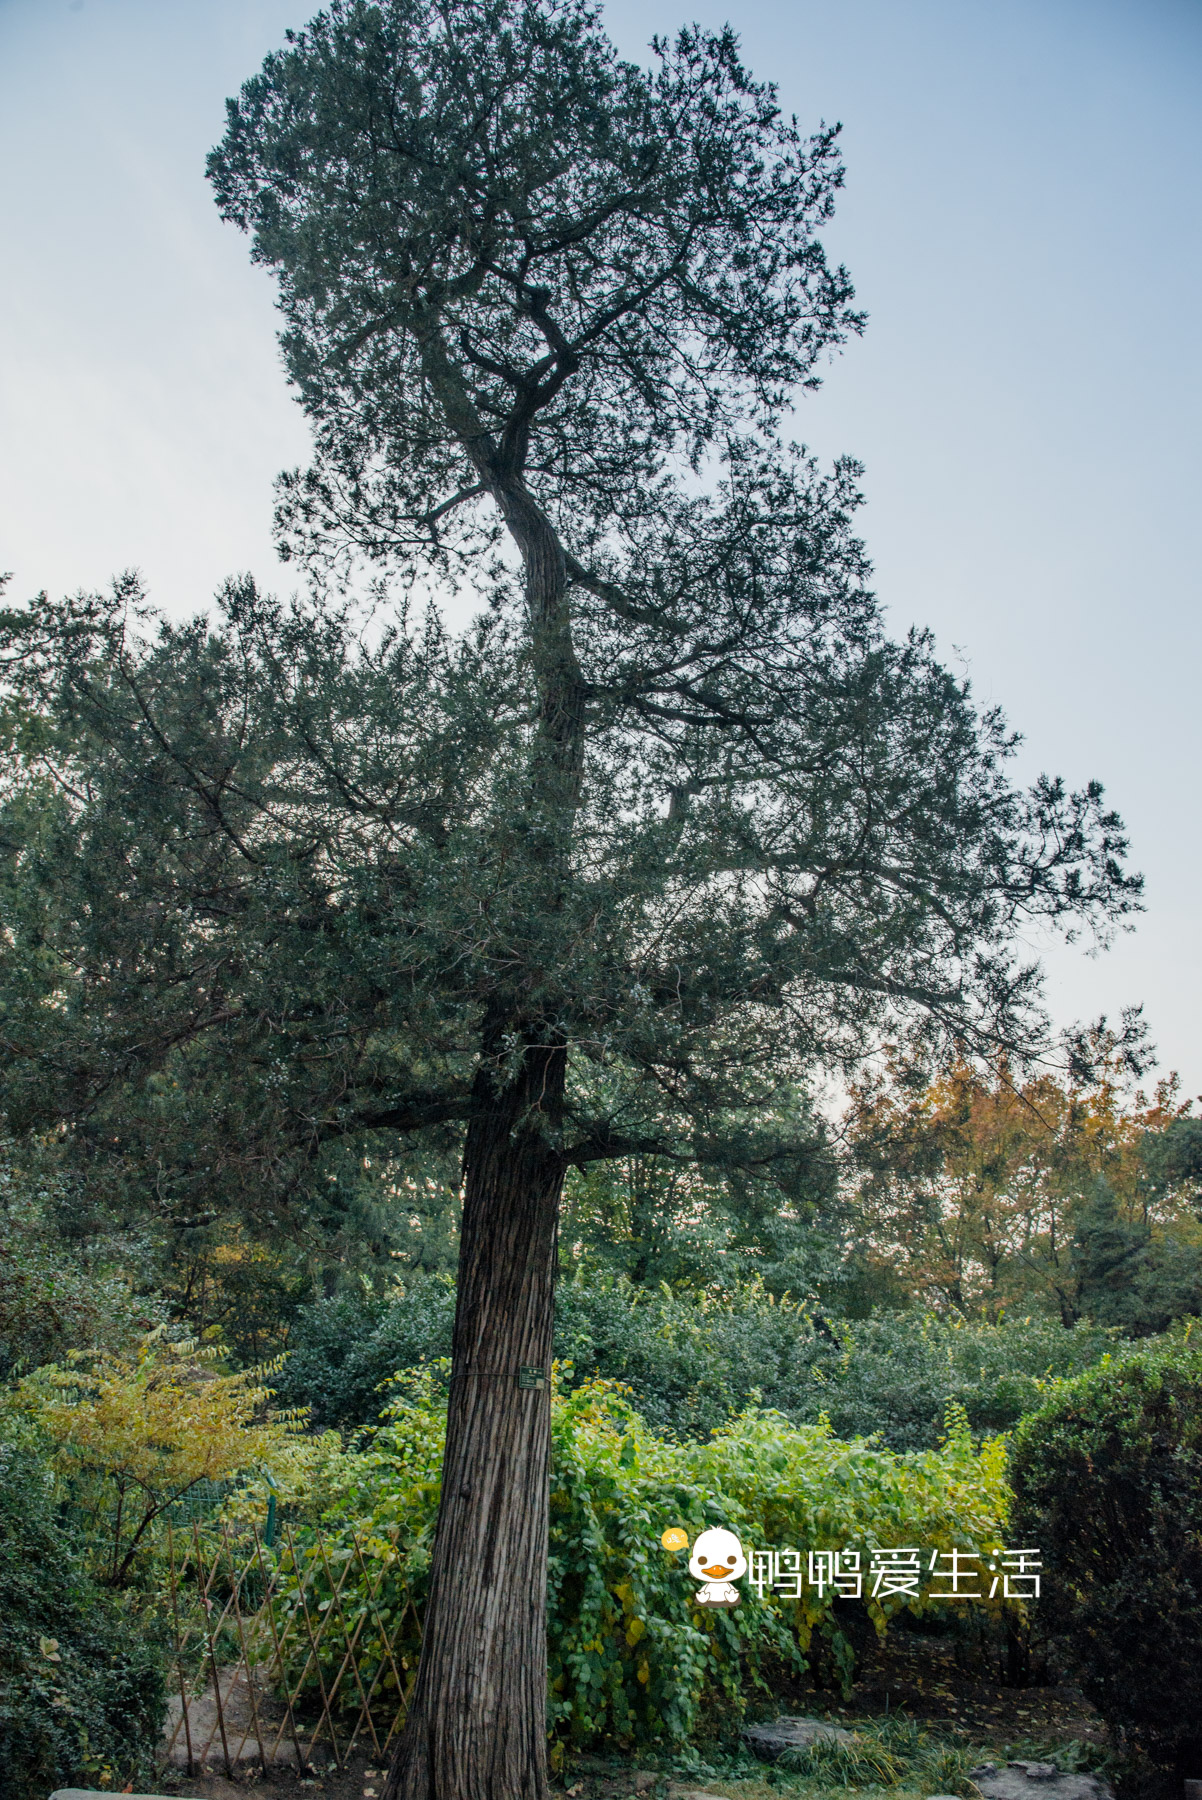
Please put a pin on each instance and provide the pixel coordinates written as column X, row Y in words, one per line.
column 980, row 1189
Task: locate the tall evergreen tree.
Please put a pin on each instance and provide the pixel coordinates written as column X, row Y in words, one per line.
column 672, row 827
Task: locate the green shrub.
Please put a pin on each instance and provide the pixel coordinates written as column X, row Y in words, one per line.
column 693, row 1359
column 630, row 1654
column 341, row 1350
column 81, row 1689
column 1108, row 1479
column 864, row 1762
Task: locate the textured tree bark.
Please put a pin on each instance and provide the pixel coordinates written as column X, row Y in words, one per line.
column 477, row 1721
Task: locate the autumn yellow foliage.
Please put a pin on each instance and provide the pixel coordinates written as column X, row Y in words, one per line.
column 972, row 1186
column 152, row 1422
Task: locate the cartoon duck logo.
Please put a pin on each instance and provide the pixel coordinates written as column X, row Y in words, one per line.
column 718, row 1561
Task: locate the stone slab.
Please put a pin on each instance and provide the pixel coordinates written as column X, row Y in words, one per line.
column 1036, row 1781
column 770, row 1739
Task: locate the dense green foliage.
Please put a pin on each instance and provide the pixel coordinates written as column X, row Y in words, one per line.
column 58, row 1293
column 655, row 1221
column 82, row 1695
column 1129, row 1274
column 691, row 1358
column 342, row 1350
column 1108, row 1479
column 630, row 1655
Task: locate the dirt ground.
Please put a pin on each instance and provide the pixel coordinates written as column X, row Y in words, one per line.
column 359, row 1780
column 918, row 1675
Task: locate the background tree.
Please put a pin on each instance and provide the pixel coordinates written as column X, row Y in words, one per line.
column 56, row 1296
column 672, row 827
column 654, row 1219
column 989, row 1192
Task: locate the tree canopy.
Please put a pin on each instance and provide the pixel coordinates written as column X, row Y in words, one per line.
column 519, row 273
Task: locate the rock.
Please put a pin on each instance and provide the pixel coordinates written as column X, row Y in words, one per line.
column 1017, row 1780
column 769, row 1740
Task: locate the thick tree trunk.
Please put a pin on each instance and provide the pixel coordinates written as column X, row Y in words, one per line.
column 477, row 1722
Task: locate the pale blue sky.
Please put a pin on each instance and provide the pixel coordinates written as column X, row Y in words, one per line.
column 1022, row 221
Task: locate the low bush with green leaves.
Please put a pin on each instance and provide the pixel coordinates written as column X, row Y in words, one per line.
column 341, row 1350
column 1108, row 1481
column 631, row 1656
column 82, row 1684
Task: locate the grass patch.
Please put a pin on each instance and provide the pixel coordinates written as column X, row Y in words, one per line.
column 863, row 1762
column 1077, row 1756
column 891, row 1758
column 890, row 1753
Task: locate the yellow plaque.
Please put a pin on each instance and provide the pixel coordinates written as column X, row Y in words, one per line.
column 675, row 1539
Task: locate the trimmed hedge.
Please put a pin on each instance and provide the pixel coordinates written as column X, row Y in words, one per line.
column 1108, row 1482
